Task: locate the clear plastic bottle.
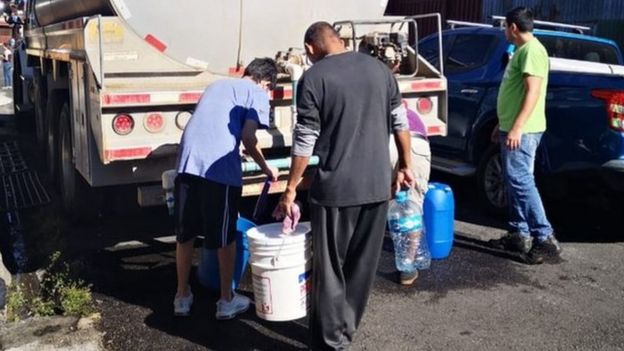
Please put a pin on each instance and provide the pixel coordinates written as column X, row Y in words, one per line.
column 405, row 221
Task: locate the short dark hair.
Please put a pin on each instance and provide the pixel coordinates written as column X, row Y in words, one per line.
column 314, row 34
column 262, row 69
column 522, row 17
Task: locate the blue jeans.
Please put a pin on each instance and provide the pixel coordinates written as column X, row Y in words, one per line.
column 7, row 69
column 526, row 211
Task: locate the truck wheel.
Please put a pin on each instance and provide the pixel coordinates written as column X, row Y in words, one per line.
column 490, row 181
column 24, row 121
column 79, row 200
column 39, row 102
column 54, row 105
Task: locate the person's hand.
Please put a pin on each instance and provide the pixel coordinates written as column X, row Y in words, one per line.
column 404, row 178
column 272, row 173
column 513, row 139
column 495, row 136
column 284, row 207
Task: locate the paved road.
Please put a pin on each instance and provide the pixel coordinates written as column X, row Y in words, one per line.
column 477, row 299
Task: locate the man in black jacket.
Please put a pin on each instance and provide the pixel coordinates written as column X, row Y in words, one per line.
column 348, row 103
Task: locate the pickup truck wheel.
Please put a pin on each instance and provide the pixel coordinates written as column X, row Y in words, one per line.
column 490, row 181
column 80, row 201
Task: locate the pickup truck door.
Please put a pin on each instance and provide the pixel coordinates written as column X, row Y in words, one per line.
column 466, row 68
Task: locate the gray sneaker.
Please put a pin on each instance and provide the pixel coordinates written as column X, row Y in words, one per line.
column 514, row 242
column 230, row 309
column 182, row 305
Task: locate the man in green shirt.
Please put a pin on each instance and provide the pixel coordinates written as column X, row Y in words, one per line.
column 521, row 112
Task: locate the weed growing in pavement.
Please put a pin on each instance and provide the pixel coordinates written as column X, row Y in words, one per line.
column 42, row 308
column 77, row 301
column 68, row 296
column 16, row 304
column 57, row 293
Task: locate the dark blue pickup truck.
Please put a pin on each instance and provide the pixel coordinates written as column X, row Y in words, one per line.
column 585, row 109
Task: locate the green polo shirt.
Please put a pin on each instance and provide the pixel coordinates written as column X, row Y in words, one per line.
column 530, row 59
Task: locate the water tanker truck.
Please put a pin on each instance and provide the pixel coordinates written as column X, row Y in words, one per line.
column 111, row 84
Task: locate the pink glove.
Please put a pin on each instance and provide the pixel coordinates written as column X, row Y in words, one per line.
column 290, row 222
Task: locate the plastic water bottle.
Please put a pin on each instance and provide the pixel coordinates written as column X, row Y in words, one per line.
column 405, row 221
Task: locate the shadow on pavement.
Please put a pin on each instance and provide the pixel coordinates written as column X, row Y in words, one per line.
column 135, row 283
column 581, row 215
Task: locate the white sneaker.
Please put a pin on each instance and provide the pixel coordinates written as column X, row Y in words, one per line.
column 229, row 309
column 182, row 305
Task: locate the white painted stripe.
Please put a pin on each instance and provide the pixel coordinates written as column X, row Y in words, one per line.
column 127, row 245
column 162, row 97
column 196, row 63
column 226, row 213
column 171, row 239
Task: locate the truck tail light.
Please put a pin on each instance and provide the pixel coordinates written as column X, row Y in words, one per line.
column 182, row 119
column 154, row 122
column 123, row 124
column 424, row 105
column 614, row 100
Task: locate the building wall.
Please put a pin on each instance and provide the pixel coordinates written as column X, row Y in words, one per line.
column 606, row 17
column 467, row 10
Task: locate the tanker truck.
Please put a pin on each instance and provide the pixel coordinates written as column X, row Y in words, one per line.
column 111, row 84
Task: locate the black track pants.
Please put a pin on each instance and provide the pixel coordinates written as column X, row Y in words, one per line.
column 347, row 243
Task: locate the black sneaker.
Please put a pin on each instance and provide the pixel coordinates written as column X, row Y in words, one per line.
column 545, row 251
column 513, row 242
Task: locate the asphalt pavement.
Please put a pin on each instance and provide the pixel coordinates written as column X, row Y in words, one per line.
column 477, row 299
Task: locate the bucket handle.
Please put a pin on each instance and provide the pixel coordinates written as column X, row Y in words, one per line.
column 275, row 259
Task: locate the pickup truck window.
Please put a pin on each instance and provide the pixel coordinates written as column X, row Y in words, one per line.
column 578, row 49
column 429, row 49
column 469, row 52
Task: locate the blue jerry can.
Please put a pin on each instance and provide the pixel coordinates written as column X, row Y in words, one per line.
column 439, row 217
column 208, row 270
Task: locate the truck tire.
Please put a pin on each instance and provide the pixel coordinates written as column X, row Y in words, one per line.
column 40, row 102
column 80, row 201
column 54, row 105
column 24, row 121
column 490, row 181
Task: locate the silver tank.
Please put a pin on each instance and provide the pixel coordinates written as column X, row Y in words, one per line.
column 54, row 11
column 216, row 34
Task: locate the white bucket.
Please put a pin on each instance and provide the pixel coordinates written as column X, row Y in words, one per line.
column 281, row 266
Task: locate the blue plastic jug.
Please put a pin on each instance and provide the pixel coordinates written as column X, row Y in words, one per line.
column 439, row 217
column 208, row 271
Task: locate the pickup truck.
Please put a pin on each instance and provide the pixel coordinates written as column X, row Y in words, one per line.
column 585, row 109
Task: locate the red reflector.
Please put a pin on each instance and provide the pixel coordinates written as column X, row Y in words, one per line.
column 154, row 122
column 123, row 124
column 126, row 154
column 236, row 71
column 155, row 42
column 281, row 94
column 422, row 86
column 615, row 107
column 125, row 99
column 434, row 130
column 424, row 105
column 191, row 98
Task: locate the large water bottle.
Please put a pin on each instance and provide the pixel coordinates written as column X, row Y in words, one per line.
column 405, row 221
